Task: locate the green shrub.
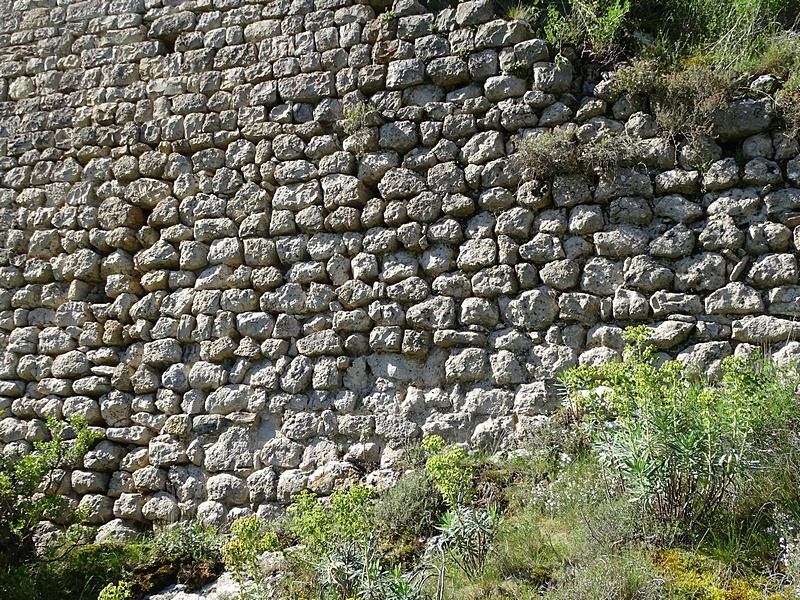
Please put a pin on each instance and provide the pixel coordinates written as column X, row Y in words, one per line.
column 674, row 441
column 449, row 470
column 29, row 485
column 190, row 541
column 409, row 509
column 76, row 575
column 322, row 524
column 249, row 538
column 730, row 33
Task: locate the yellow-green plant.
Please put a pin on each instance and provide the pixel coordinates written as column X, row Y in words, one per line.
column 449, row 470
column 322, row 524
column 249, row 538
column 121, row 590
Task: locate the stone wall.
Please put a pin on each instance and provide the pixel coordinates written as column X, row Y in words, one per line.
column 216, row 253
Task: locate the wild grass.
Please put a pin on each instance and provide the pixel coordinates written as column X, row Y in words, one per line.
column 557, row 151
column 731, row 33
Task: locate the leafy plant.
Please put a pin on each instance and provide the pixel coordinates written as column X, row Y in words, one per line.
column 29, row 487
column 352, row 570
column 121, row 590
column 190, row 540
column 467, row 535
column 249, row 538
column 321, row 525
column 449, row 470
column 673, row 441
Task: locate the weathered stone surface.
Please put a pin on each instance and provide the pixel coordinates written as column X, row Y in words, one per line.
column 227, row 399
column 763, row 330
column 259, row 244
column 233, row 451
column 704, row 272
column 784, row 300
column 735, row 298
column 742, row 118
column 466, row 365
column 533, row 309
column 774, row 270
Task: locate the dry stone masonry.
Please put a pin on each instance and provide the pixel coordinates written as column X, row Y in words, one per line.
column 262, row 244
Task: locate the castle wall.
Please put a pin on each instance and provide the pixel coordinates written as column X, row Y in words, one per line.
column 261, row 245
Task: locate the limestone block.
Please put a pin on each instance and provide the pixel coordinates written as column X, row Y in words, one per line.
column 773, row 270
column 227, row 399
column 469, row 364
column 161, row 507
column 734, row 298
column 703, row 272
column 98, row 508
column 232, row 452
column 532, row 309
column 227, row 489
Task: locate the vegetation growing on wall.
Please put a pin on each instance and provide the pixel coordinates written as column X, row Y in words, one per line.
column 651, row 482
column 685, row 58
column 726, row 33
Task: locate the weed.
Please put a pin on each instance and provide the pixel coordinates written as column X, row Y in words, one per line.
column 592, row 25
column 358, row 117
column 627, row 575
column 320, row 526
column 449, row 471
column 523, row 10
column 787, row 101
column 557, row 152
column 352, row 570
column 684, row 100
column 249, row 539
column 549, row 154
column 388, row 16
column 467, row 535
column 29, row 487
